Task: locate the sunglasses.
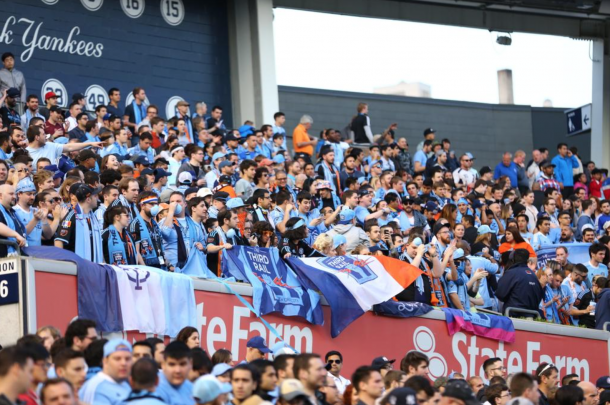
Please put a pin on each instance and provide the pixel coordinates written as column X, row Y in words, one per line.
column 334, row 361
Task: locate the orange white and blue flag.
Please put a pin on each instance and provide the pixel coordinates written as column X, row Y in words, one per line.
column 353, row 284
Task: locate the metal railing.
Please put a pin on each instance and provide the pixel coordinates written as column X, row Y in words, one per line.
column 508, row 310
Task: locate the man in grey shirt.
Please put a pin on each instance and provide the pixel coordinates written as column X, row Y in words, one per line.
column 11, row 77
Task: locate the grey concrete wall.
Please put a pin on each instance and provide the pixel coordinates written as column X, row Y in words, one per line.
column 485, row 130
column 550, row 128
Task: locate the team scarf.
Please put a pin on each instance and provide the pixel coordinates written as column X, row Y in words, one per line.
column 183, row 250
column 150, row 244
column 139, row 111
column 120, row 247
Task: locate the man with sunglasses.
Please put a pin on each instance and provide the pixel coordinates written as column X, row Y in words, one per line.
column 547, row 376
column 334, row 364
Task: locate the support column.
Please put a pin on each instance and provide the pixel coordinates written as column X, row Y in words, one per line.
column 600, row 112
column 252, row 55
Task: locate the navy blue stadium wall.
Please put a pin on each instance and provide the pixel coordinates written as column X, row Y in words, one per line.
column 174, row 49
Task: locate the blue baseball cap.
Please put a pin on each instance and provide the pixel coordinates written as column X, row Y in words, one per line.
column 458, row 254
column 116, row 345
column 462, row 201
column 484, row 229
column 235, row 203
column 279, row 159
column 339, row 240
column 207, row 388
column 217, row 155
column 220, row 369
column 431, row 206
column 257, row 342
column 346, row 216
column 246, row 130
column 160, row 173
column 377, row 162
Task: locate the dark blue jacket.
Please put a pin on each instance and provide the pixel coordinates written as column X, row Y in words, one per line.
column 519, row 288
column 602, row 309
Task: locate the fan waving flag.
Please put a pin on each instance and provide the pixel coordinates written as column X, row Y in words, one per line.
column 275, row 287
column 353, row 284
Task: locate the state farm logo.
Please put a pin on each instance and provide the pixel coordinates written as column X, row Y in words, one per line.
column 424, row 341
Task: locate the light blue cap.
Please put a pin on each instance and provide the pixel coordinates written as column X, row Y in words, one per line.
column 217, row 155
column 339, row 240
column 235, row 203
column 462, row 201
column 220, row 369
column 62, row 140
column 25, row 185
column 458, row 254
column 208, row 388
column 116, row 345
column 279, row 159
column 346, row 216
column 281, row 348
column 483, row 229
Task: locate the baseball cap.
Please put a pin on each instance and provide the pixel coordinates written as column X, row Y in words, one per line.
column 470, row 156
column 257, row 342
column 587, row 226
column 207, row 388
column 265, row 162
column 431, row 206
column 461, row 390
column 116, row 345
column 231, row 137
column 148, row 170
column 220, row 369
column 217, row 155
column 339, row 240
column 282, row 348
column 49, row 94
column 547, row 163
column 225, row 163
column 182, row 103
column 204, row 192
column 77, row 96
column 429, row 131
column 381, row 362
column 142, row 160
column 224, row 179
column 25, row 185
column 376, row 162
column 185, row 178
column 324, row 185
column 82, row 191
column 221, row 196
column 402, row 396
column 361, row 180
column 346, row 216
column 235, row 203
column 367, row 191
column 438, row 226
column 374, row 248
column 484, row 229
column 458, row 254
column 160, row 173
column 603, row 382
column 55, row 109
column 292, row 388
column 189, row 191
column 279, row 159
column 462, row 201
column 13, row 92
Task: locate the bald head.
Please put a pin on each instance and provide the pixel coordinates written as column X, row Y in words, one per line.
column 7, row 195
column 591, row 395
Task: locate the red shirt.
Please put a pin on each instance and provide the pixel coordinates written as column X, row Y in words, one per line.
column 30, row 398
column 50, row 128
column 156, row 142
column 595, row 188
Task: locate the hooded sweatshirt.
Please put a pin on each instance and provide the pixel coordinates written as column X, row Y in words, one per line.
column 602, row 309
column 354, row 235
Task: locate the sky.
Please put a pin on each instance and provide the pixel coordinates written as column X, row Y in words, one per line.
column 328, row 51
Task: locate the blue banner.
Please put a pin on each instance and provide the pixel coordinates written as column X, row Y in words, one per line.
column 275, row 287
column 98, row 292
column 577, row 253
column 402, row 309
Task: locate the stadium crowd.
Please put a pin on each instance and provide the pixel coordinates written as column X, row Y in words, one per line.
column 125, row 186
column 81, row 368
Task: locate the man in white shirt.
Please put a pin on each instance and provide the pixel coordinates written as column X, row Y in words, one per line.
column 39, row 147
column 75, row 109
column 334, row 364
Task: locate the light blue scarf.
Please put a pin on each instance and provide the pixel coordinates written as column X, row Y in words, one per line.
column 139, row 111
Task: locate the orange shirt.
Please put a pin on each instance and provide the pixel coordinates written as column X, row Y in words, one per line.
column 300, row 135
column 505, row 247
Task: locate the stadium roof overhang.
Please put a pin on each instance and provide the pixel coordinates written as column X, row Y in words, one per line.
column 585, row 19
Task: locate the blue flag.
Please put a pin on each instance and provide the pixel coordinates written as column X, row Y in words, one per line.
column 98, row 293
column 402, row 309
column 196, row 266
column 275, row 287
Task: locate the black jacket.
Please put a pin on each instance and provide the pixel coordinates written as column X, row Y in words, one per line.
column 519, row 288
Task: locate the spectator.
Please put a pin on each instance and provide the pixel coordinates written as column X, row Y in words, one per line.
column 174, row 386
column 590, row 393
column 334, row 359
column 523, row 387
column 209, row 390
column 519, row 287
column 368, row 385
column 110, row 386
column 507, row 168
column 547, row 376
column 564, row 162
column 144, row 381
column 57, row 391
column 71, row 365
column 569, row 395
column 11, row 77
column 415, row 364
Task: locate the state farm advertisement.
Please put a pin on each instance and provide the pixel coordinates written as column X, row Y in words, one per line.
column 225, row 323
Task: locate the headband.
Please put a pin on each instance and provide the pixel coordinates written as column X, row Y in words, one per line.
column 150, row 200
column 299, row 224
